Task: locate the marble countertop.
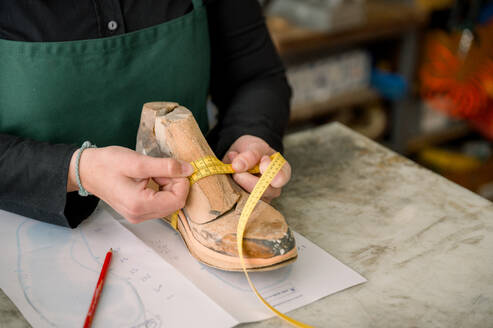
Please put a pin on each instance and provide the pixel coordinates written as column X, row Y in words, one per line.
column 424, row 243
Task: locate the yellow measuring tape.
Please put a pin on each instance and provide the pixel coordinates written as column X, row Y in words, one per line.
column 207, row 166
column 210, row 165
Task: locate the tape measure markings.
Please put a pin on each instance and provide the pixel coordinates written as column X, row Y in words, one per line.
column 211, row 165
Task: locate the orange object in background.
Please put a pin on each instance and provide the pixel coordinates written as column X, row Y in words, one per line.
column 457, row 76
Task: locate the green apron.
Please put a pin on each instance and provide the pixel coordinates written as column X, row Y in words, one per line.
column 68, row 92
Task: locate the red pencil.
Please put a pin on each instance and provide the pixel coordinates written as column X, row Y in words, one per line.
column 98, row 290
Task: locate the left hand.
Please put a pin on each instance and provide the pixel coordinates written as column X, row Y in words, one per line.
column 248, row 151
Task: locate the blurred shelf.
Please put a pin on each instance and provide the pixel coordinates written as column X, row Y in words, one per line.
column 455, row 131
column 317, row 109
column 385, row 19
column 431, row 5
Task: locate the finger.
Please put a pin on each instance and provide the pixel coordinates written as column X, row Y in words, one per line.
column 246, row 160
column 248, row 181
column 170, row 200
column 171, row 184
column 230, row 156
column 264, row 163
column 126, row 202
column 271, row 193
column 281, row 178
column 245, row 180
column 146, row 166
column 150, row 204
column 162, row 181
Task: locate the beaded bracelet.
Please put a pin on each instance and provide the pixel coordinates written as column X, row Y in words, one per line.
column 85, row 145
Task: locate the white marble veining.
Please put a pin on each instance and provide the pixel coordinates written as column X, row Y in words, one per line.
column 425, row 244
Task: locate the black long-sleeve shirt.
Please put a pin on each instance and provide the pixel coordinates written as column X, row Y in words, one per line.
column 247, row 85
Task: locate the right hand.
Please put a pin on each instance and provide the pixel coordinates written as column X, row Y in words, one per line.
column 119, row 176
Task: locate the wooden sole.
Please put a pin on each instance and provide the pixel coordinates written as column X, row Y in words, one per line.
column 225, row 262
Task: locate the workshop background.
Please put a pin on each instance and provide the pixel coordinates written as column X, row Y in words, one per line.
column 415, row 75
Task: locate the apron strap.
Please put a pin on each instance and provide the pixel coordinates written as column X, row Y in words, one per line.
column 197, row 3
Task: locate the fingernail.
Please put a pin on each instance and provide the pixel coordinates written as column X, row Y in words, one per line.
column 239, row 165
column 186, row 168
column 264, row 164
column 277, row 181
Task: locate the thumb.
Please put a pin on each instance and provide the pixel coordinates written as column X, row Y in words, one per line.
column 146, row 166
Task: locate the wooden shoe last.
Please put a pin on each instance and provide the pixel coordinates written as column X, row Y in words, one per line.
column 209, row 220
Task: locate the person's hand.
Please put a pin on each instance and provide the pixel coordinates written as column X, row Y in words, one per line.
column 119, row 176
column 246, row 152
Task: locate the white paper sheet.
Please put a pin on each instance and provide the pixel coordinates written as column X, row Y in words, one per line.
column 314, row 275
column 50, row 272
